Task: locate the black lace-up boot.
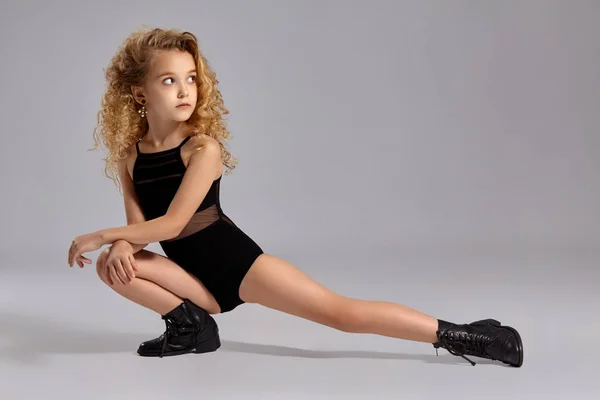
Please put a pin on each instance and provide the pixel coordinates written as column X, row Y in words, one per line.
column 485, row 338
column 190, row 329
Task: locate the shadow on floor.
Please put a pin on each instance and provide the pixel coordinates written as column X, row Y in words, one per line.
column 27, row 338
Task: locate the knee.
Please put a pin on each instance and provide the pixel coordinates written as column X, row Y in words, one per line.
column 101, row 267
column 346, row 316
column 101, row 264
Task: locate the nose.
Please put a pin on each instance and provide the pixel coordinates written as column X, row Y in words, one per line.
column 183, row 92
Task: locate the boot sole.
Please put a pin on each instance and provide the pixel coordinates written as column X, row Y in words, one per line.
column 207, row 346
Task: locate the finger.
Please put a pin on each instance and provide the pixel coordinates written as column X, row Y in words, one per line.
column 121, row 272
column 129, row 268
column 107, row 274
column 133, row 263
column 113, row 274
column 69, row 254
column 73, row 255
column 117, row 268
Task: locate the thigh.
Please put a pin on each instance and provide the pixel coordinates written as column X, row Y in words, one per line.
column 166, row 273
column 277, row 284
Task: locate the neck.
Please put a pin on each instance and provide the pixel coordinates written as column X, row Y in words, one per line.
column 162, row 132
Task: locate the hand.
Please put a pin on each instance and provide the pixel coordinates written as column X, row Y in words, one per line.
column 82, row 244
column 120, row 265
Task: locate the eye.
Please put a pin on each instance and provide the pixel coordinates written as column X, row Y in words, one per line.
column 193, row 77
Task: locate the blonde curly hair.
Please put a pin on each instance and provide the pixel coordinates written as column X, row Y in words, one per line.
column 119, row 123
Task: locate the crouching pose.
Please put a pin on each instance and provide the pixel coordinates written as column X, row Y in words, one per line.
column 162, row 122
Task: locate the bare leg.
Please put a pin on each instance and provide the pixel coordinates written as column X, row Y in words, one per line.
column 275, row 283
column 160, row 284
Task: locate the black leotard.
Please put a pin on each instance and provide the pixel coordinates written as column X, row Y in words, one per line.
column 210, row 247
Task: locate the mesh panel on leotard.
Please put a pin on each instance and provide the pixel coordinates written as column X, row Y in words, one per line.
column 156, row 178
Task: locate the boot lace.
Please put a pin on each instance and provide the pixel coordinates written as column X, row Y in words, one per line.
column 460, row 343
column 171, row 330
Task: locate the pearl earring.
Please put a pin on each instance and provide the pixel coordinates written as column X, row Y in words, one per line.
column 142, row 111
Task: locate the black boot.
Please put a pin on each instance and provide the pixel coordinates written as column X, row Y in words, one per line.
column 486, row 339
column 190, row 329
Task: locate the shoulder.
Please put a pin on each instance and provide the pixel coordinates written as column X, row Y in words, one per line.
column 204, row 142
column 202, row 146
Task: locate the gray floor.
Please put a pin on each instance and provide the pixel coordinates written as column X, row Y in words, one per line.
column 66, row 336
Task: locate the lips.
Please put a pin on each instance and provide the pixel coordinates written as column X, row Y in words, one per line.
column 183, row 105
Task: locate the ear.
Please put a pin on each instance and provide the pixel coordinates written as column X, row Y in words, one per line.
column 138, row 94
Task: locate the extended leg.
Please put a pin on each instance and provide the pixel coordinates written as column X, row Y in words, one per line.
column 275, row 283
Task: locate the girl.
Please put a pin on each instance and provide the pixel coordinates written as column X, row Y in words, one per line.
column 162, row 122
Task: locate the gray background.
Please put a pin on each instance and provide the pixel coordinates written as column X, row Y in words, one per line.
column 438, row 154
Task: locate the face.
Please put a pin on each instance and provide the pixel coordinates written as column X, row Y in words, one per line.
column 171, row 81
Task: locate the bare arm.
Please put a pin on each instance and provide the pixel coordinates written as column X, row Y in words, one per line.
column 197, row 180
column 133, row 211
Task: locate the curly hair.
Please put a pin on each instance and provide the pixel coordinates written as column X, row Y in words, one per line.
column 119, row 124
